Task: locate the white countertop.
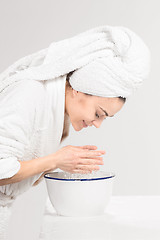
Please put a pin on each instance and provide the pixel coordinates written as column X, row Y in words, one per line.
column 126, row 217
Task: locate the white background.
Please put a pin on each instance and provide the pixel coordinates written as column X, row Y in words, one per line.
column 131, row 139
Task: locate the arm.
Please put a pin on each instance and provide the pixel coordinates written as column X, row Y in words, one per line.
column 19, row 107
column 30, row 168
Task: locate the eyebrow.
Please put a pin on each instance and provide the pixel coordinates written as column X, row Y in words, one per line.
column 106, row 113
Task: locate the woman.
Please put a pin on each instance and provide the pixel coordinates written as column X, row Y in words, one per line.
column 80, row 80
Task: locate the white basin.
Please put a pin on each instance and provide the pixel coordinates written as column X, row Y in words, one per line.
column 79, row 194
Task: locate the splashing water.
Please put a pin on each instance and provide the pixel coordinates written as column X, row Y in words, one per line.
column 94, row 174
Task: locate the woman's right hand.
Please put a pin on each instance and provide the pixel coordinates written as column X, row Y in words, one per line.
column 79, row 159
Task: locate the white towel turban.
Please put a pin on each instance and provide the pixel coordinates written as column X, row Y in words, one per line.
column 110, row 61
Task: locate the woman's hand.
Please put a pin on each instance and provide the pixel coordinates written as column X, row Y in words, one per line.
column 79, row 159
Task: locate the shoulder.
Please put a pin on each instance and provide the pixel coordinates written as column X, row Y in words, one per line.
column 24, row 92
column 29, row 87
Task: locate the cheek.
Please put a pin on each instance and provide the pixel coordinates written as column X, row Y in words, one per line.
column 82, row 111
column 77, row 112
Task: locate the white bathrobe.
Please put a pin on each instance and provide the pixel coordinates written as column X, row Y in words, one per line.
column 31, row 126
column 114, row 60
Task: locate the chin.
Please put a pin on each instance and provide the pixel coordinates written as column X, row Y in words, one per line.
column 77, row 128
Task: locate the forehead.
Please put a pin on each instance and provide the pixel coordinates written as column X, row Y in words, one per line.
column 103, row 100
column 106, row 100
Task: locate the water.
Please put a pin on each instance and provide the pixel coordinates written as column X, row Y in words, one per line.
column 94, row 174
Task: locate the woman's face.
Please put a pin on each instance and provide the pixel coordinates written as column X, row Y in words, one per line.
column 88, row 110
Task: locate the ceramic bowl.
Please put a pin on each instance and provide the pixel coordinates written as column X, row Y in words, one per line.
column 79, row 194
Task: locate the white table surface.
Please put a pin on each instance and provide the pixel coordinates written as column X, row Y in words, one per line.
column 126, row 217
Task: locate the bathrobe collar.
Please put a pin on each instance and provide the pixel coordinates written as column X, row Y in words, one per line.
column 56, row 109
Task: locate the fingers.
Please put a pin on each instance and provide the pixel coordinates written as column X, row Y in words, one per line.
column 88, row 161
column 87, row 167
column 83, row 161
column 91, row 153
column 89, row 147
column 95, row 157
column 82, row 171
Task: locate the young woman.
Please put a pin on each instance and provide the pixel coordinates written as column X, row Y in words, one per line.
column 80, row 81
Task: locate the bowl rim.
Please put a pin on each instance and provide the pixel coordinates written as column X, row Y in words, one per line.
column 112, row 175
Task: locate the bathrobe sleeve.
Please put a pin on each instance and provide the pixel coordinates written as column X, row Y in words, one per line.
column 18, row 106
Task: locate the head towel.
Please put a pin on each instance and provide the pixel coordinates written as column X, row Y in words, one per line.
column 108, row 61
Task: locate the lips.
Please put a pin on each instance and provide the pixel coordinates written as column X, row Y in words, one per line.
column 84, row 124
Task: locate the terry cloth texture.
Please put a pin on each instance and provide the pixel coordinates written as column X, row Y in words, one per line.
column 109, row 61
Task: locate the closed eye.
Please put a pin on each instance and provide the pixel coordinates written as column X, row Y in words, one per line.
column 99, row 116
